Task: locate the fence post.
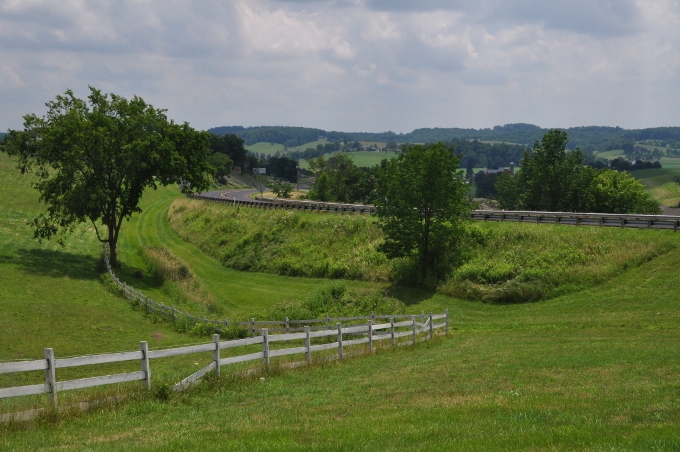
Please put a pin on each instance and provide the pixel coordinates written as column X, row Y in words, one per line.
column 340, row 350
column 431, row 327
column 328, row 322
column 308, row 344
column 252, row 326
column 422, row 316
column 413, row 328
column 372, row 316
column 50, row 375
column 392, row 330
column 216, row 353
column 265, row 346
column 370, row 335
column 446, row 322
column 144, row 347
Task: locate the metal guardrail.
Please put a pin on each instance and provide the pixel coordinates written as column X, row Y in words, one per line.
column 664, row 222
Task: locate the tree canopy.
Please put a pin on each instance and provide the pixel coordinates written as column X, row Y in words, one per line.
column 93, row 159
column 554, row 179
column 421, row 203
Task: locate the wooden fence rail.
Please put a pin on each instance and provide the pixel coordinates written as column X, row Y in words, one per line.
column 664, row 222
column 367, row 333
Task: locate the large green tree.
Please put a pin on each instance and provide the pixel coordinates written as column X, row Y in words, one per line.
column 93, row 159
column 421, row 203
column 547, row 173
column 554, row 179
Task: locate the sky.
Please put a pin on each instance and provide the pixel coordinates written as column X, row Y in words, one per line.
column 351, row 65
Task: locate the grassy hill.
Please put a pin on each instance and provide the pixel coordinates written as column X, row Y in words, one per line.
column 265, row 148
column 362, row 159
column 596, row 370
column 594, row 367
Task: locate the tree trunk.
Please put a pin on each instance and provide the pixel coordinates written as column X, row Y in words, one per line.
column 113, row 254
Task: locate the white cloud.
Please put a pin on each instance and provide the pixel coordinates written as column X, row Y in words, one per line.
column 352, row 64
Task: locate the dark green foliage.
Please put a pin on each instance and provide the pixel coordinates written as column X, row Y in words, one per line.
column 94, row 159
column 283, row 168
column 420, row 203
column 231, row 146
column 340, row 180
column 222, row 163
column 336, row 300
column 485, row 185
column 281, row 189
column 556, row 180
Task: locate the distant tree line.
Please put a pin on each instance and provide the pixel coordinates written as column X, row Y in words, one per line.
column 588, row 139
column 557, row 180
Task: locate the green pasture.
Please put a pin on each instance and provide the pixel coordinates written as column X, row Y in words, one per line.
column 265, row 148
column 661, row 184
column 311, row 144
column 362, row 159
column 594, row 367
column 595, row 370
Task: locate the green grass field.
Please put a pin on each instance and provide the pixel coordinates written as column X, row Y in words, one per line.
column 362, row 159
column 593, row 369
column 265, row 148
column 661, row 184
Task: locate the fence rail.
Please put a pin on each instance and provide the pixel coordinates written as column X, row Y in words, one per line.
column 252, row 327
column 664, row 222
column 369, row 334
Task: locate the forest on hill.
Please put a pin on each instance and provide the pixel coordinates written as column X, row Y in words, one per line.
column 591, row 138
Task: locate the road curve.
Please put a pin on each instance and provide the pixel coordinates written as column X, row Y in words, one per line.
column 240, row 195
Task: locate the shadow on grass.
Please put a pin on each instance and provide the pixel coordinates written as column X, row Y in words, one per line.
column 409, row 295
column 54, row 263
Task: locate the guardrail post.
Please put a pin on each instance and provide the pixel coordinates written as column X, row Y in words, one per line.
column 431, row 327
column 340, row 351
column 216, row 353
column 308, row 344
column 370, row 335
column 51, row 376
column 265, row 346
column 144, row 347
column 392, row 330
column 446, row 322
column 413, row 328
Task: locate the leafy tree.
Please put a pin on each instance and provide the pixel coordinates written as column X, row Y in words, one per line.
column 94, row 158
column 553, row 179
column 340, row 180
column 421, row 203
column 231, row 146
column 507, row 193
column 281, row 189
column 547, row 173
column 222, row 164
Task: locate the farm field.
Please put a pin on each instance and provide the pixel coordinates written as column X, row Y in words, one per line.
column 661, row 184
column 594, row 370
column 265, row 148
column 591, row 369
column 362, row 159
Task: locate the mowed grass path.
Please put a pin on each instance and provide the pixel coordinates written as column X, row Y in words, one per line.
column 597, row 370
column 238, row 293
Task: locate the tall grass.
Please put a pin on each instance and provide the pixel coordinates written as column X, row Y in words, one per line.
column 502, row 262
column 180, row 282
column 283, row 242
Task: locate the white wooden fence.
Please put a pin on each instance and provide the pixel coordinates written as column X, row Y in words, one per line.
column 345, row 336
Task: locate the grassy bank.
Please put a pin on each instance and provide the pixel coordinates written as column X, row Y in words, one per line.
column 595, row 370
column 506, row 262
